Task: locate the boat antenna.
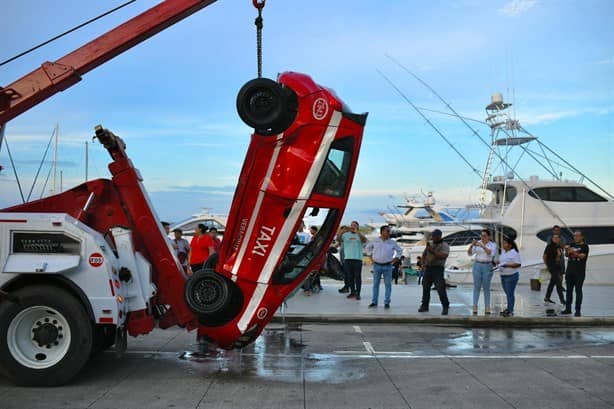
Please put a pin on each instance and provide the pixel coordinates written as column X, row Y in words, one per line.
column 494, row 151
column 477, row 172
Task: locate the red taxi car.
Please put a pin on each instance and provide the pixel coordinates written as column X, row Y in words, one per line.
column 301, row 161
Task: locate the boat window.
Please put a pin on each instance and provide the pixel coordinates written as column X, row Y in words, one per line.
column 566, row 194
column 332, row 180
column 592, row 234
column 510, row 194
column 48, row 243
column 300, row 254
column 585, row 195
column 462, row 238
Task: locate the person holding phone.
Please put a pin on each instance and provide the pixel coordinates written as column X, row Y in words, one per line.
column 577, row 253
column 484, row 251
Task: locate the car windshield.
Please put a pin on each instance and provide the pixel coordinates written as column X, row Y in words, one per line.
column 303, row 248
column 332, row 180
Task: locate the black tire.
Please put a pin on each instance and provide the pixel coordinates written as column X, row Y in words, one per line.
column 334, row 269
column 41, row 313
column 211, row 262
column 207, row 293
column 223, row 311
column 266, row 106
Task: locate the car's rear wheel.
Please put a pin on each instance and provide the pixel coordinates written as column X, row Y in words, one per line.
column 267, row 106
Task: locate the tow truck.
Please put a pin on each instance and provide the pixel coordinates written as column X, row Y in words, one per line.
column 81, row 270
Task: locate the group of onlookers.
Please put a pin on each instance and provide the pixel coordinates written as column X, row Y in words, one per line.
column 193, row 255
column 386, row 254
column 487, row 261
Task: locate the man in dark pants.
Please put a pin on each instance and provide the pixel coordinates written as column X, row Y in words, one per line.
column 577, row 254
column 434, row 260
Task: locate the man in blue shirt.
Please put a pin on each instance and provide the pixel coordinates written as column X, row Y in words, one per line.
column 383, row 251
column 352, row 242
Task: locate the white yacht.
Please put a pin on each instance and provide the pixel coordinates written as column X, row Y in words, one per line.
column 528, row 208
column 205, row 217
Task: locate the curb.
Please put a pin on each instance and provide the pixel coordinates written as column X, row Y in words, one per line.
column 451, row 321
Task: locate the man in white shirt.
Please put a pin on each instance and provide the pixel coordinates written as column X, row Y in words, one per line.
column 383, row 251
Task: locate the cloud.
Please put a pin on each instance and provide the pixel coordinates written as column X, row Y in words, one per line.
column 607, row 61
column 516, row 7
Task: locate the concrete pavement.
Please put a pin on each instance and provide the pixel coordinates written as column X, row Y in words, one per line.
column 330, row 306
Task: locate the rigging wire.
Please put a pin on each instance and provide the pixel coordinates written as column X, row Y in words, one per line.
column 477, row 172
column 41, row 164
column 6, row 142
column 65, row 33
column 259, row 24
column 526, row 185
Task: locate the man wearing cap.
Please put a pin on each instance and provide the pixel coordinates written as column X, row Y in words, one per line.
column 383, row 252
column 434, row 259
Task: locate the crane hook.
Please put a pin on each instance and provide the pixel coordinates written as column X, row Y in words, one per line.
column 259, row 4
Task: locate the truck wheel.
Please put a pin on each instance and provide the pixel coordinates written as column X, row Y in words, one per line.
column 46, row 338
column 266, row 106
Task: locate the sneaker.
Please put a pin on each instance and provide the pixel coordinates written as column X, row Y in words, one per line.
column 504, row 313
column 387, row 306
column 423, row 308
column 566, row 312
column 475, row 310
column 357, row 297
column 487, row 310
column 577, row 314
column 372, row 305
column 548, row 301
column 444, row 311
column 344, row 289
column 351, row 295
column 307, row 293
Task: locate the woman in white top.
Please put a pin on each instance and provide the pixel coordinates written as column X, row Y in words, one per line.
column 484, row 251
column 509, row 262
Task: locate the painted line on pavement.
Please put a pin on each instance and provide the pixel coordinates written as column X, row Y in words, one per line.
column 357, row 329
column 368, row 347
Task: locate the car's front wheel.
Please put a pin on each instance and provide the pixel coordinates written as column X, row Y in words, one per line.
column 267, row 106
column 214, row 298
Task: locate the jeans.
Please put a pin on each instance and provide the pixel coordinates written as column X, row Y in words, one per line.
column 353, row 269
column 555, row 280
column 574, row 280
column 482, row 275
column 508, row 282
column 434, row 275
column 378, row 271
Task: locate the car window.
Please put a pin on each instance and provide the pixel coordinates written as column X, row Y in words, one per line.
column 333, row 177
column 300, row 254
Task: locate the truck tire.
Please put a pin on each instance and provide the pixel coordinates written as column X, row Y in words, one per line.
column 266, row 106
column 46, row 338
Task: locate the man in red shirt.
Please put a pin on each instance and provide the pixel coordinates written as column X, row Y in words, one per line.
column 201, row 248
column 216, row 240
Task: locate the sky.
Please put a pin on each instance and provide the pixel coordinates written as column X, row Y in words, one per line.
column 172, row 98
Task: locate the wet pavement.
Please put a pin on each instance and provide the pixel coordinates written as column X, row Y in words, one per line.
column 347, row 366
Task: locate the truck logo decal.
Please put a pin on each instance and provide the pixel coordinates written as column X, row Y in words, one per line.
column 320, row 108
column 262, row 242
column 95, row 259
